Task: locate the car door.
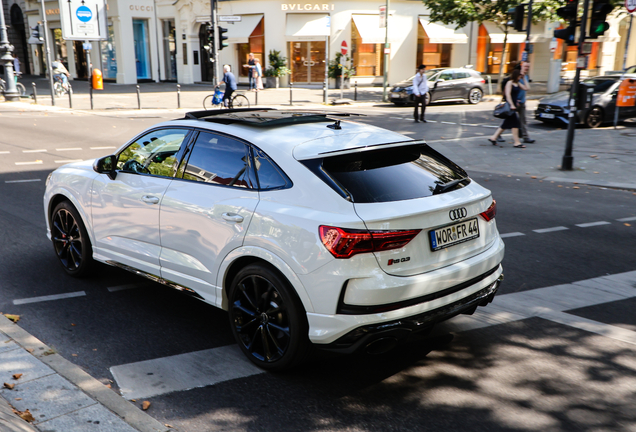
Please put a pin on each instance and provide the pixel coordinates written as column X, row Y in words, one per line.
column 443, row 86
column 125, row 210
column 206, row 211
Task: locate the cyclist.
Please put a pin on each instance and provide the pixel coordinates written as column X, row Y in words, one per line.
column 230, row 85
column 60, row 71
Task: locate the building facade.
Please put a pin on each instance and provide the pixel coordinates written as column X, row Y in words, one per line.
column 165, row 40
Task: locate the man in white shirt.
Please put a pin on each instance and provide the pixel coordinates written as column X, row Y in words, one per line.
column 420, row 88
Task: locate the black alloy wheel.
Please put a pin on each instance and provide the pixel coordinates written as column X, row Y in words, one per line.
column 267, row 319
column 70, row 240
column 594, row 117
column 475, row 95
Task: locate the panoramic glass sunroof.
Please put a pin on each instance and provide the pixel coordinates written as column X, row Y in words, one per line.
column 265, row 117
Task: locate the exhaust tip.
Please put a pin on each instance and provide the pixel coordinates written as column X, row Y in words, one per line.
column 381, row 346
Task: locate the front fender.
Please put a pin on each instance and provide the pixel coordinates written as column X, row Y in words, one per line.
column 268, row 257
column 80, row 207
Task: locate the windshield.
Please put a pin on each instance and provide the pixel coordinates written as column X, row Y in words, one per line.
column 600, row 85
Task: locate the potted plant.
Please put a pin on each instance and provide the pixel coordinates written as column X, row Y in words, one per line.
column 338, row 67
column 277, row 69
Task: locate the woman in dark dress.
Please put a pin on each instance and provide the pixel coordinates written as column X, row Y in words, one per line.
column 511, row 92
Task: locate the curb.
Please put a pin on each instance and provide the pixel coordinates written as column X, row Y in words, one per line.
column 129, row 413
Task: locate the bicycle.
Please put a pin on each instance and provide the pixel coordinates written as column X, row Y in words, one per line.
column 58, row 86
column 19, row 86
column 215, row 100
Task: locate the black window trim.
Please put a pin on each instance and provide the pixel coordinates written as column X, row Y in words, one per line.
column 250, row 152
column 178, row 155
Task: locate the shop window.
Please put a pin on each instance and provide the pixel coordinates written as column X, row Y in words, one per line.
column 109, row 58
column 60, row 47
column 368, row 59
column 255, row 45
column 432, row 55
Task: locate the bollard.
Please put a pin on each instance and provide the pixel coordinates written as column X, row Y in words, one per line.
column 324, row 91
column 489, row 85
column 70, row 94
column 355, row 92
column 256, row 98
column 35, row 93
column 138, row 98
column 291, row 85
column 178, row 96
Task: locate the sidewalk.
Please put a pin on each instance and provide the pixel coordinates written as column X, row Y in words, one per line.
column 59, row 396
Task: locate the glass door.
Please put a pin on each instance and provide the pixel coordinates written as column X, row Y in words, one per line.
column 307, row 62
column 142, row 54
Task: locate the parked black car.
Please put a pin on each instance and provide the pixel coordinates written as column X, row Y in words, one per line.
column 444, row 84
column 555, row 108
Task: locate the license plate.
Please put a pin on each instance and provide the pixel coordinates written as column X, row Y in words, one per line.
column 453, row 234
column 546, row 115
column 396, row 95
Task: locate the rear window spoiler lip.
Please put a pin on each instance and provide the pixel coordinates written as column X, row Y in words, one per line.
column 365, row 148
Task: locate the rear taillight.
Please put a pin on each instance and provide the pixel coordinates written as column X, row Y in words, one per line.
column 344, row 243
column 483, row 81
column 491, row 212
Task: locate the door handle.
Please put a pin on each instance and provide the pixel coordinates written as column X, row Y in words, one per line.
column 149, row 199
column 305, row 63
column 312, row 63
column 233, row 217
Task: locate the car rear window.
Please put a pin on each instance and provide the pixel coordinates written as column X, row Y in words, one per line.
column 390, row 174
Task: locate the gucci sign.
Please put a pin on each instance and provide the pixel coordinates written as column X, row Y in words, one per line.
column 141, row 8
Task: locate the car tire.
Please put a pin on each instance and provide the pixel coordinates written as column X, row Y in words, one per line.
column 267, row 318
column 475, row 95
column 594, row 117
column 70, row 240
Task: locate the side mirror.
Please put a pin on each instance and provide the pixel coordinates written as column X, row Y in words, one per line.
column 106, row 165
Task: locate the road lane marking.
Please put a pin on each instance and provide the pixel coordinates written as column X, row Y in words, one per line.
column 547, row 230
column 34, row 151
column 5, row 152
column 37, row 162
column 588, row 325
column 63, row 161
column 445, row 122
column 68, row 149
column 102, row 148
column 22, row 181
column 49, row 298
column 182, row 372
column 397, row 118
column 490, row 126
column 591, row 224
column 512, row 234
column 627, row 219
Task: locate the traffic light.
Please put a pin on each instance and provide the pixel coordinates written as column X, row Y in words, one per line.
column 222, row 38
column 598, row 26
column 209, row 31
column 568, row 13
column 517, row 17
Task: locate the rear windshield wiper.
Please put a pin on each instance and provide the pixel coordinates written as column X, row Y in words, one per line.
column 444, row 187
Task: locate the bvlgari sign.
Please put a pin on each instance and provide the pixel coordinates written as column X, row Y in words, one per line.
column 302, row 7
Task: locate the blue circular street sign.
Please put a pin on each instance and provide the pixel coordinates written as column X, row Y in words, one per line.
column 84, row 14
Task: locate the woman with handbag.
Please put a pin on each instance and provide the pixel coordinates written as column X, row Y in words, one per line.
column 511, row 92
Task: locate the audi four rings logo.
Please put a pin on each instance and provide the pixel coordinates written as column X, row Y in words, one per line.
column 458, row 213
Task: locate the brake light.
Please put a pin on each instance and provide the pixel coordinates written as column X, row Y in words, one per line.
column 345, row 243
column 483, row 81
column 491, row 212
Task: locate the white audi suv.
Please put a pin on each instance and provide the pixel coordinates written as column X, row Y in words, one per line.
column 310, row 229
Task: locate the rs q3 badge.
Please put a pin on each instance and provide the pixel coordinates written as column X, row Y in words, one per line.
column 398, row 260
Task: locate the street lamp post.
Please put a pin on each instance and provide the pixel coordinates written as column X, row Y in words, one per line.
column 10, row 93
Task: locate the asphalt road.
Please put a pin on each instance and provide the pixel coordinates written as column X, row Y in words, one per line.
column 532, row 374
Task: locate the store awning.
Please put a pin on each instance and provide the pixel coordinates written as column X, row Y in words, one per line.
column 497, row 36
column 442, row 34
column 369, row 28
column 307, row 26
column 240, row 31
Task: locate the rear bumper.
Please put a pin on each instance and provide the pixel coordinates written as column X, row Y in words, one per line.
column 389, row 333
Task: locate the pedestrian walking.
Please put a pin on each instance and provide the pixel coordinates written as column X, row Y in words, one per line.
column 250, row 69
column 524, row 67
column 230, row 85
column 258, row 75
column 420, row 89
column 511, row 94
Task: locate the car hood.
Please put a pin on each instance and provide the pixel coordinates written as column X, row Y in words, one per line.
column 404, row 84
column 558, row 99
